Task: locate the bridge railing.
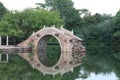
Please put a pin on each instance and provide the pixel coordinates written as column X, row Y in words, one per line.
column 7, row 40
column 4, row 57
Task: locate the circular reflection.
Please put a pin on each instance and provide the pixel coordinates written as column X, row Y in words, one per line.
column 49, row 50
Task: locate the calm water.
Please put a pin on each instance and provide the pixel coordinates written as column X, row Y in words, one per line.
column 100, row 64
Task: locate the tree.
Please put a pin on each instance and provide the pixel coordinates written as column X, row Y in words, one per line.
column 84, row 12
column 102, row 17
column 29, row 20
column 3, row 10
column 88, row 20
column 68, row 13
column 56, row 4
column 116, row 35
column 7, row 29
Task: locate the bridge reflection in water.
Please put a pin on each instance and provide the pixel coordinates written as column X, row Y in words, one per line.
column 95, row 62
column 95, row 66
column 34, row 50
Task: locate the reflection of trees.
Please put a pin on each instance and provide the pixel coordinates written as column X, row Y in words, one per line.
column 19, row 69
column 72, row 76
column 100, row 60
column 117, row 68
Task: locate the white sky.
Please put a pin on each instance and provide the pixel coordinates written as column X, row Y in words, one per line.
column 94, row 6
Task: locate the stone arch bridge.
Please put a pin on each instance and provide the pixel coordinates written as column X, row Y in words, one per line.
column 34, row 50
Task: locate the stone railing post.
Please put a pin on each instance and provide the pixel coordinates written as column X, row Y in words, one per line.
column 7, row 41
column 0, row 57
column 0, row 41
column 7, row 57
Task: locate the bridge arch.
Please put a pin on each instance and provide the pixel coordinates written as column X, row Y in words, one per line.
column 42, row 54
column 71, row 50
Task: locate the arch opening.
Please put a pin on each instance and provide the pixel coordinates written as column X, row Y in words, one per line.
column 49, row 50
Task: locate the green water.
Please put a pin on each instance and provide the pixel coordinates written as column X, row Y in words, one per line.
column 99, row 62
column 19, row 69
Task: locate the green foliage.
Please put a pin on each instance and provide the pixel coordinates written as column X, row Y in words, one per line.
column 91, row 20
column 68, row 13
column 8, row 29
column 87, row 20
column 57, row 4
column 116, row 22
column 100, row 17
column 117, row 56
column 117, row 34
column 3, row 10
column 22, row 24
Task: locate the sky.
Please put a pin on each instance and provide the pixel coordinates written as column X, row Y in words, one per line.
column 94, row 6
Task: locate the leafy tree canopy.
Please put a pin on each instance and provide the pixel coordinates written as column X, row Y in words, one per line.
column 29, row 20
column 68, row 13
column 3, row 10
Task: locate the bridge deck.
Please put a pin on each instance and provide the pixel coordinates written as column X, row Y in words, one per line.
column 13, row 49
column 7, row 47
